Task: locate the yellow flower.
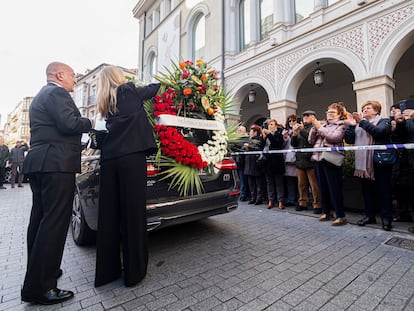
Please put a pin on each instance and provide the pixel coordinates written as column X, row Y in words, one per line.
column 199, row 62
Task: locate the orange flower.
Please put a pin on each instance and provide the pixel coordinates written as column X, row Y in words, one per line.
column 182, row 65
column 204, row 77
column 187, row 91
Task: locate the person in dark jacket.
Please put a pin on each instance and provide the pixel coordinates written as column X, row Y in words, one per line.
column 16, row 159
column 304, row 166
column 364, row 129
column 405, row 130
column 254, row 173
column 123, row 178
column 240, row 160
column 275, row 168
column 4, row 158
column 56, row 127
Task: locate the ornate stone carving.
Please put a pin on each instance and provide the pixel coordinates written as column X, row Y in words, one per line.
column 380, row 28
column 267, row 71
column 351, row 40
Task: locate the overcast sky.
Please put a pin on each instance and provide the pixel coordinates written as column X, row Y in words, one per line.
column 81, row 33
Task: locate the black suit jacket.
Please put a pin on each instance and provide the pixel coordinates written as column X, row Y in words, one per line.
column 55, row 128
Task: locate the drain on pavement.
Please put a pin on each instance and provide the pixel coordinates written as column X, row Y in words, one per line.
column 401, row 242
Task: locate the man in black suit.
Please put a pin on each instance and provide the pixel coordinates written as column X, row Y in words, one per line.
column 56, row 127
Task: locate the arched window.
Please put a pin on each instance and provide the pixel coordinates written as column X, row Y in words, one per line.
column 244, row 24
column 266, row 18
column 199, row 38
column 303, row 8
column 152, row 67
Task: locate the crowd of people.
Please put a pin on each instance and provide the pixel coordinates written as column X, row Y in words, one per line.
column 12, row 159
column 315, row 179
column 279, row 179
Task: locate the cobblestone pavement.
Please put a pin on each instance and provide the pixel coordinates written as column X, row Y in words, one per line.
column 250, row 259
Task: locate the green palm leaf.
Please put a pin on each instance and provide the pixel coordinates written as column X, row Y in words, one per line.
column 183, row 177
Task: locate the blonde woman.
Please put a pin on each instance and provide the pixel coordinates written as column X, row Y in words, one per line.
column 122, row 195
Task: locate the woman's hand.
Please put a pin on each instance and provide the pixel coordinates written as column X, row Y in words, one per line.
column 357, row 117
column 350, row 120
column 316, row 123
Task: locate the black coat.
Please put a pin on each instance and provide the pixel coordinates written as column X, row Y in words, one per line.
column 303, row 159
column 276, row 163
column 129, row 128
column 56, row 127
column 250, row 165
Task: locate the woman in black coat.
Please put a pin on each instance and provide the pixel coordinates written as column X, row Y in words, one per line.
column 275, row 168
column 122, row 195
column 364, row 129
column 252, row 171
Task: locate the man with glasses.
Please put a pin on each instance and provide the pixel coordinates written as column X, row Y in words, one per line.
column 304, row 166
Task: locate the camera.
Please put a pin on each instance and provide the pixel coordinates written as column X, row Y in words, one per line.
column 299, row 120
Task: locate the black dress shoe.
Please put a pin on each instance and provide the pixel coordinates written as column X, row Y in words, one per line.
column 386, row 224
column 51, row 297
column 251, row 202
column 258, row 203
column 366, row 220
column 301, row 208
column 59, row 273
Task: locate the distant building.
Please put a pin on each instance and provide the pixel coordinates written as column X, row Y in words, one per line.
column 271, row 49
column 17, row 126
column 84, row 94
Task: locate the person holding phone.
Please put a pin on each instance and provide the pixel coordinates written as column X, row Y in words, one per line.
column 305, row 168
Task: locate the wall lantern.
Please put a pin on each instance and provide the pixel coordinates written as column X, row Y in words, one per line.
column 252, row 96
column 318, row 76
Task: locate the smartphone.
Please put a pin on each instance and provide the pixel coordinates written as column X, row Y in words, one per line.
column 299, row 120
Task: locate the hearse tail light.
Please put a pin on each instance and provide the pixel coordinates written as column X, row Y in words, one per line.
column 227, row 164
column 152, row 170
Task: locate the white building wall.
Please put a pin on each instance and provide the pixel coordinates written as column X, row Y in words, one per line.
column 367, row 37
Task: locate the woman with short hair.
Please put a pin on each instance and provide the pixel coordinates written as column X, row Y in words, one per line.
column 328, row 174
column 368, row 128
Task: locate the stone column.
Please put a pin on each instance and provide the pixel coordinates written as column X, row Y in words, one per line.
column 281, row 109
column 378, row 88
column 319, row 4
column 254, row 27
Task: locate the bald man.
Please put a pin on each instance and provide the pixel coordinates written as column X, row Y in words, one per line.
column 53, row 160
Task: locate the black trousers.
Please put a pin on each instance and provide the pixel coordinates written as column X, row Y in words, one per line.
column 122, row 220
column 2, row 172
column 46, row 235
column 377, row 193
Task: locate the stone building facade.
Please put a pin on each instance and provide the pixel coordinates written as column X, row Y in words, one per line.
column 17, row 126
column 272, row 48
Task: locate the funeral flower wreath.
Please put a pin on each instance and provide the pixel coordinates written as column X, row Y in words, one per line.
column 190, row 98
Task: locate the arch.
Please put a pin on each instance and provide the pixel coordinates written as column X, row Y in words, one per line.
column 295, row 75
column 150, row 54
column 192, row 18
column 391, row 50
column 239, row 89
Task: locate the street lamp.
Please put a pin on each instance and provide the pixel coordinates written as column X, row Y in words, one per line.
column 318, row 76
column 252, row 96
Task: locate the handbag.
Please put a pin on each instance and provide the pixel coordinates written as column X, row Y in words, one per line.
column 385, row 157
column 334, row 157
column 261, row 161
column 96, row 138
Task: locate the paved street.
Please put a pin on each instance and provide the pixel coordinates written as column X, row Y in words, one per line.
column 251, row 259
